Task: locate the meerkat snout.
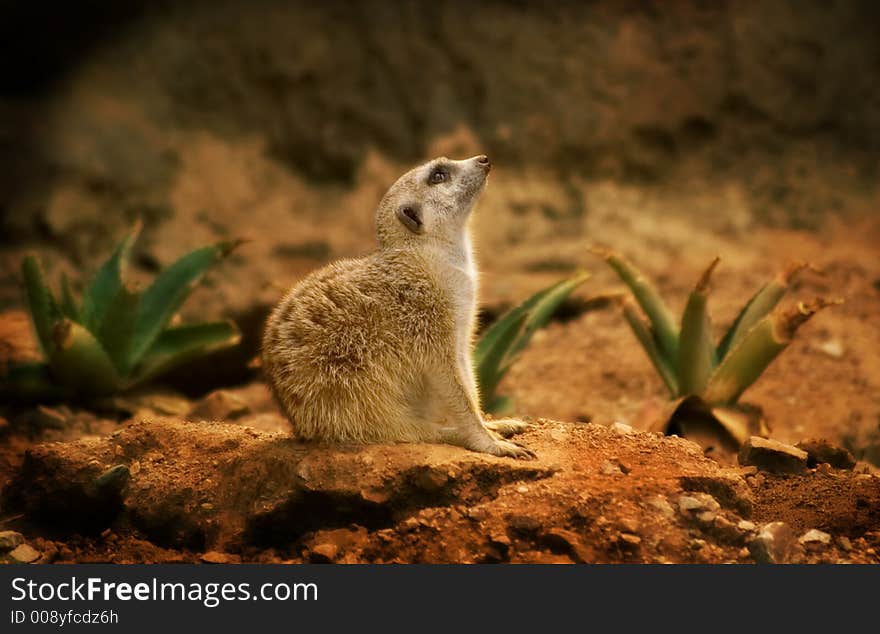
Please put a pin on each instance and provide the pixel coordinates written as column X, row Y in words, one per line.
column 379, row 348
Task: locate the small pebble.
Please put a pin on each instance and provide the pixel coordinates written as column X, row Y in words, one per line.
column 621, row 429
column 697, row 502
column 773, row 456
column 214, row 557
column 706, row 517
column 10, row 540
column 662, row 504
column 324, row 552
column 774, row 544
column 610, row 468
column 24, row 554
column 833, row 348
column 815, row 537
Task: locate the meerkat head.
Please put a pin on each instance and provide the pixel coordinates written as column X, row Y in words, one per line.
column 432, row 202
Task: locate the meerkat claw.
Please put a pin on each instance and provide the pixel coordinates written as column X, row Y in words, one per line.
column 512, row 450
column 507, row 427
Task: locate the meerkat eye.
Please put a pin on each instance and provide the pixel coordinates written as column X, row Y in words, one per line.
column 438, row 175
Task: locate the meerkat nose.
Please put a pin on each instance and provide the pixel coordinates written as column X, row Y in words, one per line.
column 483, row 160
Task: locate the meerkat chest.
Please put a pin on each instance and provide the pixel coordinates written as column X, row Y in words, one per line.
column 463, row 296
column 457, row 277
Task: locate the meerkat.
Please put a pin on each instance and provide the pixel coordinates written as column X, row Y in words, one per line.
column 378, row 349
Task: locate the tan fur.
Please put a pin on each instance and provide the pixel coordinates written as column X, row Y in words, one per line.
column 379, row 348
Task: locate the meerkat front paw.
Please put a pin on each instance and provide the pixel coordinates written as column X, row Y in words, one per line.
column 507, row 427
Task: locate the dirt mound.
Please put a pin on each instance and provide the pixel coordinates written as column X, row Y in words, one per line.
column 167, row 489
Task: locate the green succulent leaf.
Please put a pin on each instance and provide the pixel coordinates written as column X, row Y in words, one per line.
column 506, row 338
column 647, row 296
column 117, row 328
column 696, row 348
column 758, row 307
column 79, row 361
column 501, row 405
column 490, row 357
column 169, row 290
column 68, row 301
column 107, row 284
column 184, row 343
column 756, row 351
column 44, row 310
column 649, row 343
column 541, row 308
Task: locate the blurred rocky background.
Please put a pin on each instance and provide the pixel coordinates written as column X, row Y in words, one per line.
column 670, row 130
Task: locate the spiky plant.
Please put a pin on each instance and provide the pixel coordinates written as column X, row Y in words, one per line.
column 709, row 377
column 506, row 338
column 116, row 338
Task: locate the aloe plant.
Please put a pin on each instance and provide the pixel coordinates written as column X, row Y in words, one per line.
column 506, row 338
column 686, row 356
column 116, row 338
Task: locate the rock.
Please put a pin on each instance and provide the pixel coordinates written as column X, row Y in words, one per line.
column 219, row 405
column 815, row 537
column 323, row 553
column 621, row 429
column 774, row 544
column 610, row 468
column 113, row 480
column 215, row 557
column 477, row 514
column 501, row 542
column 430, row 480
column 662, row 505
column 23, row 554
column 845, row 543
column 629, row 540
column 731, row 491
column 523, row 524
column 697, row 502
column 706, row 517
column 772, row 456
column 821, row 451
column 48, row 553
column 746, row 525
column 629, row 524
column 727, row 531
column 410, row 524
column 9, row 540
column 833, row 348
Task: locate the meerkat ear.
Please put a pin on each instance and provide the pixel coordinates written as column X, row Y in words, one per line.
column 411, row 217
